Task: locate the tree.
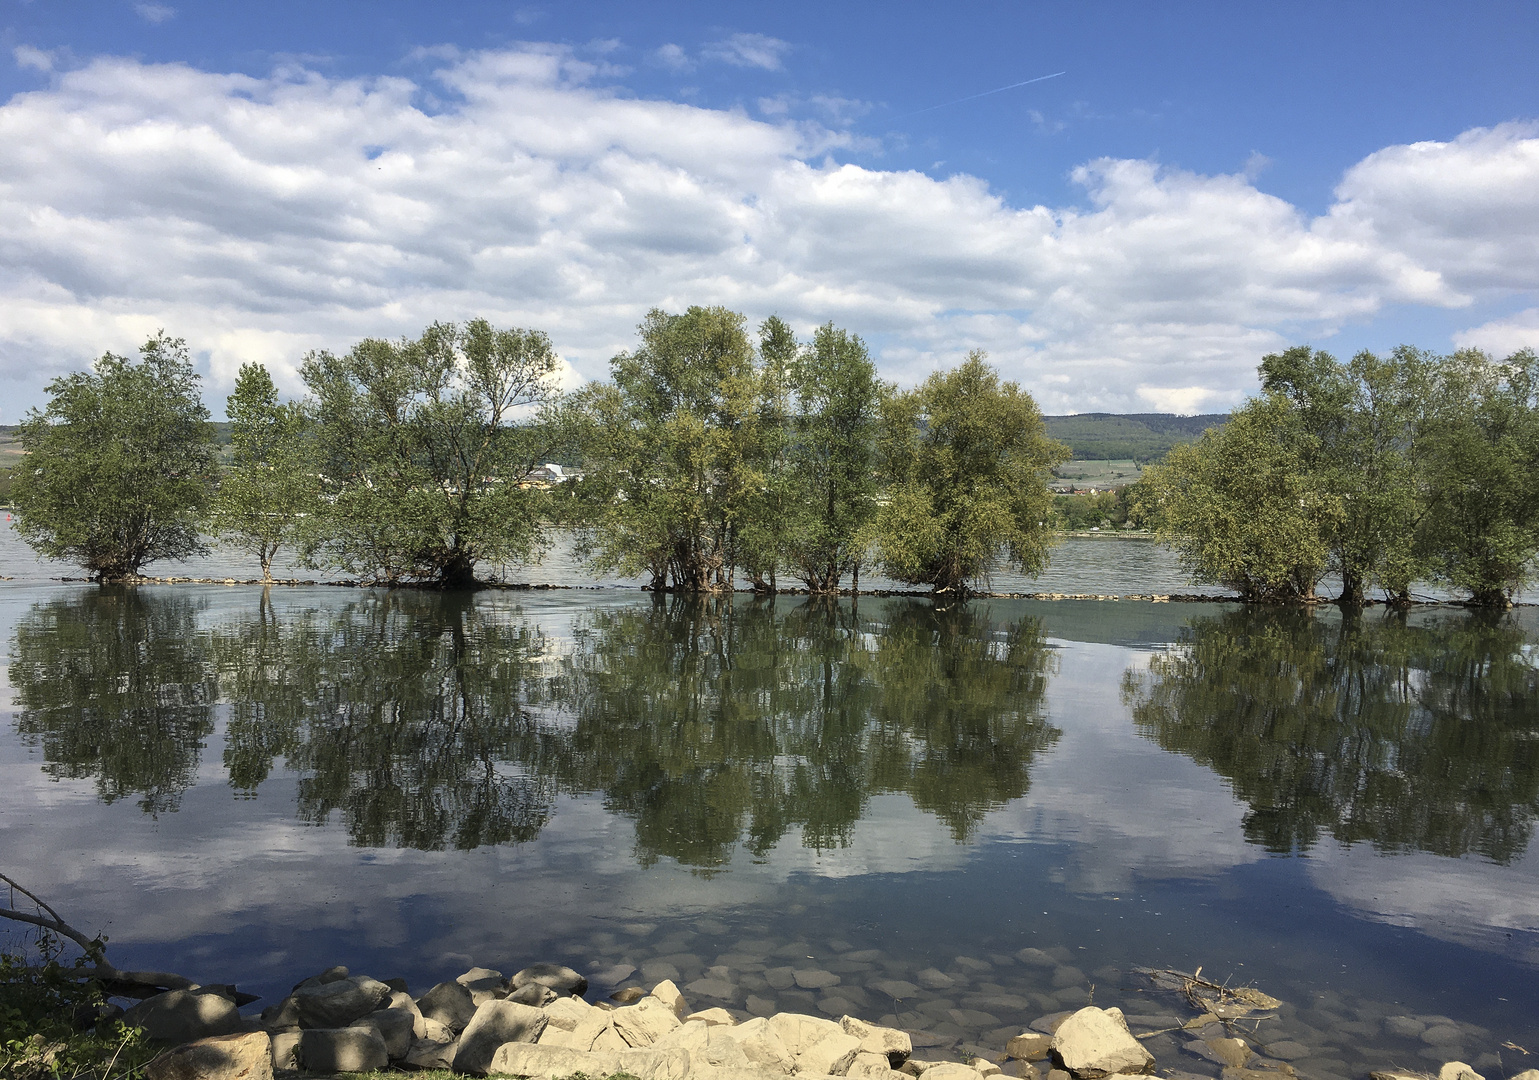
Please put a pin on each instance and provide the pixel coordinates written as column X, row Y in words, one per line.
column 120, row 464
column 422, row 453
column 1481, row 529
column 966, row 457
column 832, row 458
column 671, row 452
column 1242, row 506
column 269, row 487
column 761, row 532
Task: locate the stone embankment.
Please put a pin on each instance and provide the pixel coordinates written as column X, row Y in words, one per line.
column 537, row 1024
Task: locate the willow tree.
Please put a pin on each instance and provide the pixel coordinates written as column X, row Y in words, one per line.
column 966, row 458
column 424, row 446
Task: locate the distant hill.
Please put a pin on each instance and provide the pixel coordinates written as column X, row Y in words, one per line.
column 1141, row 437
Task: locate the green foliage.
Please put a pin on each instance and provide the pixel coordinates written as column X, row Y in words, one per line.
column 422, row 452
column 1481, row 529
column 673, row 451
column 966, row 458
column 1104, row 510
column 47, row 1019
column 270, row 485
column 1241, row 506
column 1141, row 437
column 1410, row 736
column 120, row 463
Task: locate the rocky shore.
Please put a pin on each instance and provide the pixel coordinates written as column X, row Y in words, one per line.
column 538, row 1023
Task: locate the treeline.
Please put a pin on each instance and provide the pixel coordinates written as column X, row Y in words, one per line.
column 711, row 452
column 1140, row 437
column 1383, row 470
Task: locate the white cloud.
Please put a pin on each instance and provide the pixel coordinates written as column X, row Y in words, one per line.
column 749, row 51
column 1503, row 337
column 260, row 217
column 673, row 57
column 26, row 56
column 155, row 13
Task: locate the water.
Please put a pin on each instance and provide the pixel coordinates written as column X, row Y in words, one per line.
column 248, row 785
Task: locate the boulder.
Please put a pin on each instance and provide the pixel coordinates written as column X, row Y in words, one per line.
column 1406, row 1027
column 1527, row 1074
column 528, row 1059
column 1222, row 1050
column 400, row 999
column 396, row 1026
column 894, row 1045
column 1095, row 1043
column 801, row 1032
column 831, row 1055
column 653, row 1064
column 495, row 1023
column 563, row 980
column 337, row 1004
column 815, row 979
column 669, row 995
column 643, row 1023
column 285, row 1047
column 985, row 1067
column 449, row 1003
column 1458, row 1070
column 761, row 1043
column 712, row 1016
column 426, row 1054
column 333, row 1050
column 1050, row 1023
column 283, row 1016
column 950, row 1070
column 597, row 1032
column 1030, row 1046
column 434, row 1031
column 535, row 995
column 485, row 985
column 184, row 1015
column 1036, row 958
column 872, row 1066
column 248, row 1056
column 567, row 1012
column 1286, row 1050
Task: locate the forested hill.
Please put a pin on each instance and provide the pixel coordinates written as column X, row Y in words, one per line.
column 1142, row 437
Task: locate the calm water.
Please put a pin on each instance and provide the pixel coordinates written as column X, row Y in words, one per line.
column 248, row 786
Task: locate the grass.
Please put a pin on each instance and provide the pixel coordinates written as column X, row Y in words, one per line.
column 1100, row 473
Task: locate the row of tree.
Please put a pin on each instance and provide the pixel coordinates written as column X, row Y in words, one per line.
column 1383, row 470
column 708, row 453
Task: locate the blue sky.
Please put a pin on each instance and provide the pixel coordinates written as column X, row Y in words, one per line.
column 1203, row 182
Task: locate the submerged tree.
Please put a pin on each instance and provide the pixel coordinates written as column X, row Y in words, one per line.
column 424, row 446
column 270, row 485
column 966, row 458
column 119, row 465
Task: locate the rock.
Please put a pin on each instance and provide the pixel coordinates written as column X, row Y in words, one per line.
column 333, row 1050
column 427, row 1054
column 1442, row 1035
column 597, row 1032
column 554, row 1036
column 931, row 979
column 496, row 1023
column 1030, row 1046
column 894, row 1045
column 397, row 1027
column 780, row 978
column 950, row 1070
column 720, row 989
column 1458, row 1070
column 248, row 1056
column 561, row 979
column 985, row 1067
column 1095, row 1043
column 449, row 1003
column 831, row 1055
column 524, row 1059
column 1068, row 976
column 761, row 1043
column 184, row 1015
column 801, row 1032
column 1223, row 1051
column 1527, row 1074
column 712, row 1016
column 628, row 994
column 480, row 978
column 874, row 1066
column 436, row 1031
column 400, row 999
column 337, row 1004
column 285, row 1048
column 815, row 979
column 897, row 989
column 283, row 1016
column 1286, row 1050
column 1036, row 958
column 1398, row 1074
column 1050, row 1023
column 567, row 1012
column 669, row 995
column 535, row 995
column 613, row 975
column 643, row 1023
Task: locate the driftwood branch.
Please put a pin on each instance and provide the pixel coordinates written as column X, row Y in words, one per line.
column 122, row 983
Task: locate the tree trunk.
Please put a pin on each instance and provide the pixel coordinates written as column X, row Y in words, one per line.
column 1351, row 589
column 1491, row 598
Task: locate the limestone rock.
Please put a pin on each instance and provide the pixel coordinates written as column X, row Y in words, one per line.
column 1400, row 1074
column 1050, row 1023
column 898, row 989
column 1442, row 1035
column 1527, row 1074
column 567, row 1012
column 892, row 1044
column 400, row 999
column 397, row 1027
column 800, row 1032
column 1287, row 1050
column 1036, row 958
column 449, row 1003
column 1223, row 1051
column 761, row 1044
column 561, row 979
column 950, row 1070
column 337, row 1004
column 1406, row 1027
column 1095, row 1043
column 670, row 995
column 495, row 1023
column 535, row 995
column 596, row 1032
column 436, row 1031
column 184, row 1015
column 712, row 1016
column 652, row 1064
column 283, row 1016
column 248, row 1056
column 643, row 1023
column 985, row 1067
column 427, row 1054
column 285, row 1048
column 333, row 1050
column 1030, row 1046
column 932, row 979
column 480, row 978
column 1458, row 1070
column 872, row 1066
column 527, row 1059
column 830, row 1055
column 815, row 979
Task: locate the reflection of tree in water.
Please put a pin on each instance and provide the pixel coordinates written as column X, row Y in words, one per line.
column 403, row 711
column 707, row 721
column 431, row 720
column 1410, row 736
column 115, row 685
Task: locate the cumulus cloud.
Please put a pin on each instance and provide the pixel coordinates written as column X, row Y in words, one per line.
column 260, row 217
column 673, row 57
column 155, row 13
column 1503, row 337
column 749, row 51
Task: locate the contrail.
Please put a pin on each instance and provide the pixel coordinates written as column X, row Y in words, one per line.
column 986, row 93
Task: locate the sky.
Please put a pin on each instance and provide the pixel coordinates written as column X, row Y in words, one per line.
column 1125, row 205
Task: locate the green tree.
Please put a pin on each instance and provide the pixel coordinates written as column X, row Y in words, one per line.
column 119, row 465
column 270, row 486
column 671, row 452
column 1481, row 529
column 423, row 453
column 1242, row 506
column 833, row 451
column 762, row 529
column 966, row 458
